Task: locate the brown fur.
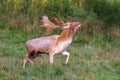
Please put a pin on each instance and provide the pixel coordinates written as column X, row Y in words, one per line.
column 66, row 34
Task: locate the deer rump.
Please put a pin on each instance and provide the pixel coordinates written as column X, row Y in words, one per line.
column 41, row 45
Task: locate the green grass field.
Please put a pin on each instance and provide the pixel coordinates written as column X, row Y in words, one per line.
column 92, row 58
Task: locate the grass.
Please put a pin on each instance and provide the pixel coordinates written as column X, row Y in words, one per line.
column 98, row 60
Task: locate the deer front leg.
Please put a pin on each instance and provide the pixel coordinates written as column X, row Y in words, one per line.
column 51, row 56
column 66, row 54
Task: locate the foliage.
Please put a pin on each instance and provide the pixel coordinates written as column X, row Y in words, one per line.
column 105, row 11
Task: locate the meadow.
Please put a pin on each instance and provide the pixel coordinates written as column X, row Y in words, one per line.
column 94, row 52
column 91, row 58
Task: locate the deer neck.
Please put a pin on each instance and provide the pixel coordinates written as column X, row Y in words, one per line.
column 66, row 35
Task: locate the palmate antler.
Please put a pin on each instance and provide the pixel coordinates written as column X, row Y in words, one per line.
column 48, row 25
column 62, row 24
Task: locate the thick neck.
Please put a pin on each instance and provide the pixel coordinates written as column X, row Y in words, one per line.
column 66, row 35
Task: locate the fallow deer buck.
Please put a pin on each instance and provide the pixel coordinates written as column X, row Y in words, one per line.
column 51, row 45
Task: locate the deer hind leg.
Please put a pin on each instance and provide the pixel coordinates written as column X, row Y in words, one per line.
column 66, row 54
column 27, row 59
column 24, row 63
column 32, row 56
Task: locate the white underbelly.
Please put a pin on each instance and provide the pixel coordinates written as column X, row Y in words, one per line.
column 61, row 48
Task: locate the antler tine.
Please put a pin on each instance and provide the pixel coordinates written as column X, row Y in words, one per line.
column 58, row 20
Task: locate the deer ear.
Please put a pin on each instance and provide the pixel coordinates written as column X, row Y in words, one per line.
column 58, row 20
